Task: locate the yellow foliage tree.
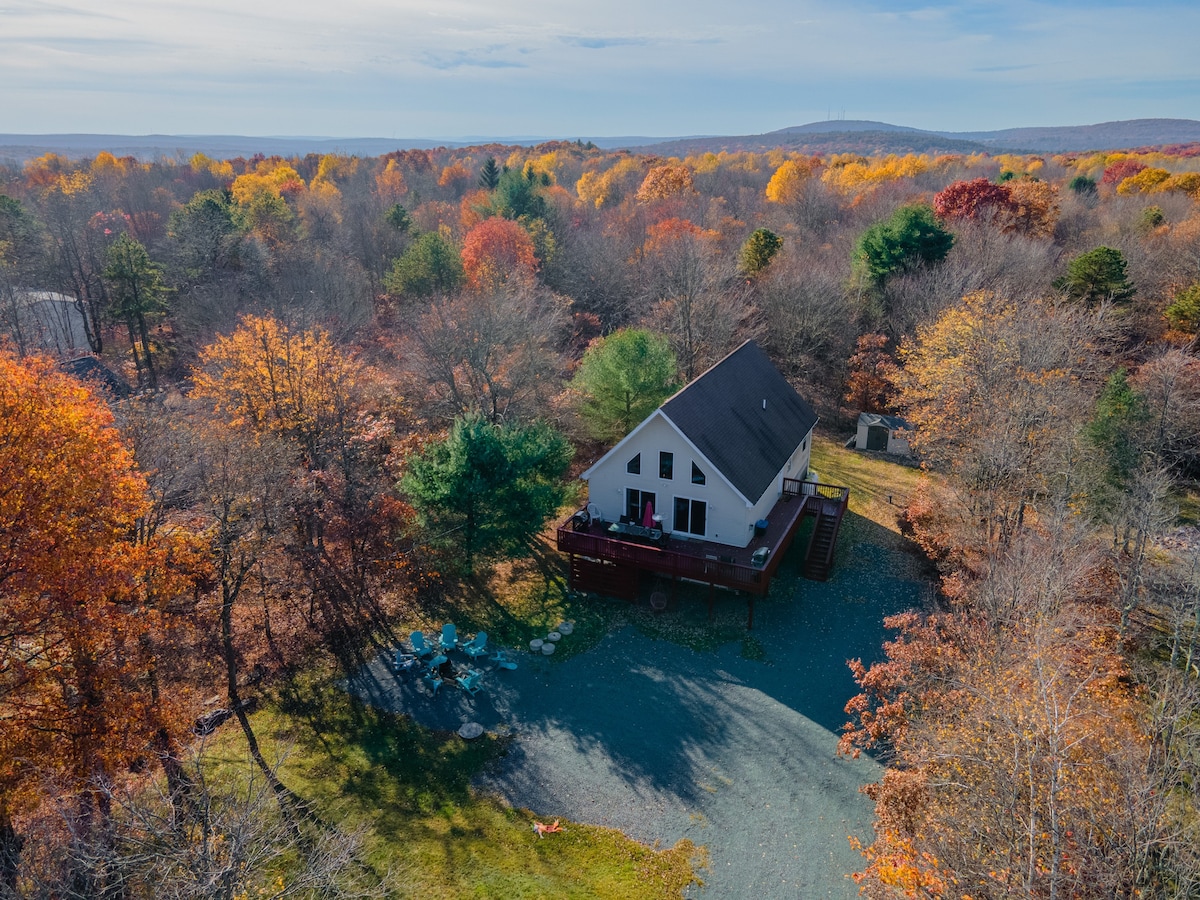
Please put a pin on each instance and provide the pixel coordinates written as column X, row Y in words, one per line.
column 1182, row 182
column 787, row 184
column 1143, row 182
column 221, row 169
column 272, row 182
column 389, row 183
column 267, row 377
column 608, row 187
column 856, row 176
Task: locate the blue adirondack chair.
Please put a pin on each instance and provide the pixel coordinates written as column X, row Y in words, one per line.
column 500, row 658
column 476, row 646
column 404, row 662
column 432, row 681
column 470, row 681
column 449, row 636
column 420, row 646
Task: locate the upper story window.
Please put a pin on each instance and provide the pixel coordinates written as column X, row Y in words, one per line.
column 697, row 474
column 666, row 464
column 634, row 466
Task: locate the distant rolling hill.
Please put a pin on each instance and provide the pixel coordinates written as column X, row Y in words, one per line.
column 1076, row 138
column 822, row 138
column 866, row 137
column 834, row 136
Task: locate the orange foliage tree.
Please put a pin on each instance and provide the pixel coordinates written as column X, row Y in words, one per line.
column 267, row 377
column 496, row 250
column 1037, row 208
column 669, row 180
column 872, row 369
column 77, row 589
column 1018, row 765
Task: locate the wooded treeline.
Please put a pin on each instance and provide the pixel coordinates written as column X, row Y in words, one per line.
column 351, row 372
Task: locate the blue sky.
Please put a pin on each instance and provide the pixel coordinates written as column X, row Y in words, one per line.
column 586, row 68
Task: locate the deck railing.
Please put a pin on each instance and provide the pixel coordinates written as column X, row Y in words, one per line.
column 819, row 499
column 796, row 487
column 665, row 562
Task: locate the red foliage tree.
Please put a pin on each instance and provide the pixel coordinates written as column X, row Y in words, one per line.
column 978, row 199
column 1120, row 170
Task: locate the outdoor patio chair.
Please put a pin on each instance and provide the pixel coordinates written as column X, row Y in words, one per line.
column 500, row 658
column 433, row 682
column 449, row 636
column 403, row 663
column 420, row 646
column 476, row 646
column 470, row 681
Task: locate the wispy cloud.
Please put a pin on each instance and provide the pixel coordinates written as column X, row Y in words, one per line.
column 469, row 60
column 1017, row 68
column 601, row 43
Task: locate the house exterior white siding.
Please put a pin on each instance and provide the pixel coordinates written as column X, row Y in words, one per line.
column 728, row 518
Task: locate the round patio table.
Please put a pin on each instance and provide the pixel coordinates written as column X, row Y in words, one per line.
column 470, row 731
column 536, row 644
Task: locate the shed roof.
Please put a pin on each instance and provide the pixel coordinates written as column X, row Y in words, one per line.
column 744, row 417
column 892, row 423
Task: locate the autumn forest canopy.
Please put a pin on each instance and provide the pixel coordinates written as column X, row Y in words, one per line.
column 349, row 382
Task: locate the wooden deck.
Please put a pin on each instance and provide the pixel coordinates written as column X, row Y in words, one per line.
column 609, row 564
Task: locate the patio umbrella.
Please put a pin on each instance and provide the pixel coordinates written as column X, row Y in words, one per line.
column 648, row 517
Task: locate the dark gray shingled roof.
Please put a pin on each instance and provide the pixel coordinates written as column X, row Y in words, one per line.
column 722, row 413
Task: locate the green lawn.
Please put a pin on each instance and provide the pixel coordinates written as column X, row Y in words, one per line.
column 427, row 834
column 879, row 487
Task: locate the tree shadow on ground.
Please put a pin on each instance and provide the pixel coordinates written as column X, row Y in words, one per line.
column 653, row 708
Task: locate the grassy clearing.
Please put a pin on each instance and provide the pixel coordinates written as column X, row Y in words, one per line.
column 1189, row 504
column 879, row 487
column 427, row 834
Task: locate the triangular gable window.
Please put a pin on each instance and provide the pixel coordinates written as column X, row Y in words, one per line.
column 697, row 475
column 634, row 466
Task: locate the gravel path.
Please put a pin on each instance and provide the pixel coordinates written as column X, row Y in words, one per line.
column 663, row 743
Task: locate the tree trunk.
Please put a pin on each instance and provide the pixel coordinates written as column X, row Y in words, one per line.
column 144, row 334
column 10, row 852
column 282, row 795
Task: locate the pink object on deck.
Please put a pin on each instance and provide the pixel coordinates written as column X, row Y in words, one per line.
column 648, row 517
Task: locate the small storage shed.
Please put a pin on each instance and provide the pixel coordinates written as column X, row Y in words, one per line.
column 886, row 434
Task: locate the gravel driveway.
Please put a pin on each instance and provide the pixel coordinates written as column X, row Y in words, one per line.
column 664, row 743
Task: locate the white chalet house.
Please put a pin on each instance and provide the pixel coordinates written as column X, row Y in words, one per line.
column 710, row 463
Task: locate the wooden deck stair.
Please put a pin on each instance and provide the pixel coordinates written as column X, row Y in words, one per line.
column 818, row 561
